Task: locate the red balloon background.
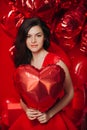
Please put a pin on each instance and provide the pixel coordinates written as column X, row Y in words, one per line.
column 67, row 20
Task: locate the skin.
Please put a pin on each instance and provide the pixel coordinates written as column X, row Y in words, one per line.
column 34, row 42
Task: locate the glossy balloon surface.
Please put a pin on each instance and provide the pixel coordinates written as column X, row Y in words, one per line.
column 39, row 89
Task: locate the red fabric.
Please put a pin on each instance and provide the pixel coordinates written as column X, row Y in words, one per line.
column 59, row 122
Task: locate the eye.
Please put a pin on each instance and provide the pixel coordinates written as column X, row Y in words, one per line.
column 39, row 35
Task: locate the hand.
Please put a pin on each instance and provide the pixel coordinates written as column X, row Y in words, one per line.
column 32, row 114
column 43, row 118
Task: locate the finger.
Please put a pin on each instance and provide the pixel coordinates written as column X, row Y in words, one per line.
column 42, row 121
column 32, row 118
column 31, row 112
column 41, row 118
column 31, row 115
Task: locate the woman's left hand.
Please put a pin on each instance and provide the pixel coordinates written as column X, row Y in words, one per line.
column 43, row 118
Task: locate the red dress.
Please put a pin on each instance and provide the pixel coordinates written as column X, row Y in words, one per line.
column 59, row 122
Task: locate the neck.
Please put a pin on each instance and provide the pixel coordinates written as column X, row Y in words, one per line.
column 38, row 58
column 37, row 55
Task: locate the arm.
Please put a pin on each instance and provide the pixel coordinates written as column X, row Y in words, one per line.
column 68, row 89
column 23, row 105
column 68, row 95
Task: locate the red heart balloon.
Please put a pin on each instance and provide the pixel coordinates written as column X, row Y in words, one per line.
column 39, row 89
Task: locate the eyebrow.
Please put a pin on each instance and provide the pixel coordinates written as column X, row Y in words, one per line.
column 37, row 33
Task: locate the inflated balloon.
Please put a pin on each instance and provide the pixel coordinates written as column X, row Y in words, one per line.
column 78, row 57
column 65, row 30
column 70, row 26
column 75, row 109
column 39, row 89
column 79, row 63
column 83, row 46
column 83, row 49
column 79, row 77
column 12, row 51
column 60, row 52
column 67, row 26
column 66, row 4
column 25, row 9
column 11, row 22
column 41, row 8
column 86, row 98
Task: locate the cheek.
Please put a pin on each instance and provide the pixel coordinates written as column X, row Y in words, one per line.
column 41, row 42
column 27, row 43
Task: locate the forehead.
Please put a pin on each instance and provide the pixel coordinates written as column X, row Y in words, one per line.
column 35, row 29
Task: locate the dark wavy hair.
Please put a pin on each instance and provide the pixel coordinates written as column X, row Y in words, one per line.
column 22, row 55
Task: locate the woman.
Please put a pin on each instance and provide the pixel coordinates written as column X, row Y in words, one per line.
column 31, row 44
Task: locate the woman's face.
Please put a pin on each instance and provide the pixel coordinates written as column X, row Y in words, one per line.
column 35, row 39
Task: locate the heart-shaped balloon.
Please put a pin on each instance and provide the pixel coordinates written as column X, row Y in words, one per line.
column 39, row 89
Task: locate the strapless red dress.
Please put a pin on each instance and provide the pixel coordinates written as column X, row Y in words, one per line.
column 40, row 89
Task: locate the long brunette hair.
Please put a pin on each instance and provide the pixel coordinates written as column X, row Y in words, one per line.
column 22, row 54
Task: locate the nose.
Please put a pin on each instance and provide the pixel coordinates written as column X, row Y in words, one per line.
column 33, row 40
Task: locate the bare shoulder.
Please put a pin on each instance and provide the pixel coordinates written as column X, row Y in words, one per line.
column 62, row 65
